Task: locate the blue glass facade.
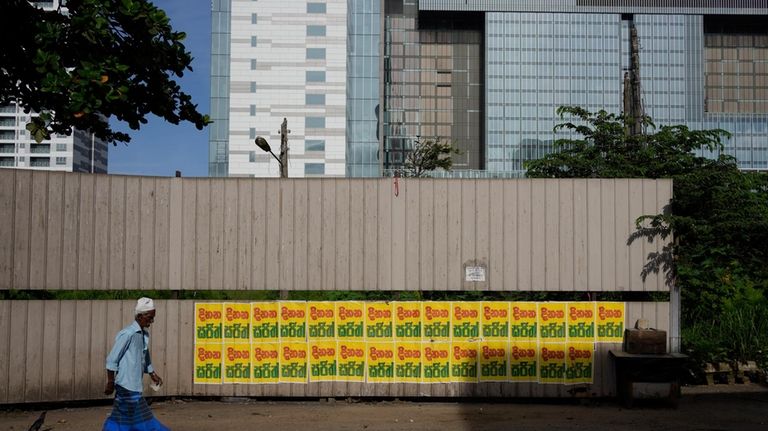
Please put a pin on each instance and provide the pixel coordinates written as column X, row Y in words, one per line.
column 218, row 147
column 363, row 41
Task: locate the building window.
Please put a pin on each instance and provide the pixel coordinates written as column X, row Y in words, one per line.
column 252, row 133
column 314, row 145
column 315, row 30
column 253, row 87
column 314, row 122
column 61, row 161
column 314, row 169
column 315, row 53
column 253, row 64
column 254, row 18
column 61, row 147
column 315, row 76
column 40, row 162
column 253, row 40
column 315, row 7
column 253, row 110
column 252, row 156
column 315, row 99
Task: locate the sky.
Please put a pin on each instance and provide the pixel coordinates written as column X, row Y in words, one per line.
column 161, row 148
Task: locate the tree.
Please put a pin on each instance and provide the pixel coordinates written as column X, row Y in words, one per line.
column 428, row 155
column 81, row 65
column 719, row 214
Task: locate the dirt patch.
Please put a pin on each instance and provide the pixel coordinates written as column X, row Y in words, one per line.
column 720, row 407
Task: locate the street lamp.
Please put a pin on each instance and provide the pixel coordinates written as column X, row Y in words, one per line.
column 283, row 159
column 264, row 145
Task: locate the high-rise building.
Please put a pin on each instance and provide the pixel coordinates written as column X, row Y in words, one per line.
column 361, row 80
column 79, row 152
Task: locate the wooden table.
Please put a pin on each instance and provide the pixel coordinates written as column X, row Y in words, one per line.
column 647, row 368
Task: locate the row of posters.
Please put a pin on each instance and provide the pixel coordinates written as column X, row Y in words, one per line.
column 283, row 321
column 394, row 362
column 401, row 342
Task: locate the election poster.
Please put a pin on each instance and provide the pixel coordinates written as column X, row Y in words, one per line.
column 495, row 320
column 378, row 321
column 523, row 321
column 293, row 320
column 208, row 362
column 237, row 321
column 264, row 322
column 208, row 322
column 580, row 363
column 350, row 320
column 465, row 319
column 350, row 361
column 265, row 360
column 523, row 357
column 494, row 361
column 380, row 362
column 581, row 322
column 464, row 361
column 237, row 362
column 436, row 320
column 552, row 362
column 321, row 324
column 609, row 319
column 293, row 362
column 551, row 321
column 322, row 361
column 408, row 362
column 436, row 362
column 407, row 321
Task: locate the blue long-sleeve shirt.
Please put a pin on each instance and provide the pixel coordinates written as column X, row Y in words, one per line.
column 129, row 357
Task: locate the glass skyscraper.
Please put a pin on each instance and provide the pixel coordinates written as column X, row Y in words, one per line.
column 486, row 76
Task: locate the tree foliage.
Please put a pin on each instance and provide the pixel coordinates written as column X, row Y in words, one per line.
column 81, row 65
column 718, row 214
column 427, row 156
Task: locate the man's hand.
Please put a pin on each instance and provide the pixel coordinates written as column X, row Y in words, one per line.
column 155, row 378
column 109, row 388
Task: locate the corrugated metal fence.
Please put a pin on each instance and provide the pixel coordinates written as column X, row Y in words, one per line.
column 97, row 232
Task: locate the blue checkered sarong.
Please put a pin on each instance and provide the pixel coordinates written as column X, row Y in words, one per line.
column 130, row 412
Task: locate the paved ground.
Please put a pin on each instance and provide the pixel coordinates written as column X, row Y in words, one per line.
column 719, row 407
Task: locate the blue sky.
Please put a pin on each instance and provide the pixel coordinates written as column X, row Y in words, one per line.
column 161, row 148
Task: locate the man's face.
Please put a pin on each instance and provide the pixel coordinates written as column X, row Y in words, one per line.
column 146, row 319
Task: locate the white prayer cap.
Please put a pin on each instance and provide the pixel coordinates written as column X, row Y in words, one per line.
column 144, row 304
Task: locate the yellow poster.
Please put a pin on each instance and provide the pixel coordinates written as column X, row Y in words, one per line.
column 436, row 362
column 494, row 361
column 523, row 323
column 380, row 362
column 322, row 361
column 551, row 321
column 264, row 322
column 293, row 362
column 208, row 322
column 436, row 320
column 609, row 319
column 465, row 319
column 407, row 321
column 208, row 363
column 265, row 359
column 237, row 321
column 350, row 320
column 293, row 320
column 237, row 362
column 522, row 361
column 351, row 361
column 464, row 359
column 580, row 362
column 321, row 322
column 378, row 321
column 581, row 322
column 552, row 363
column 495, row 320
column 408, row 362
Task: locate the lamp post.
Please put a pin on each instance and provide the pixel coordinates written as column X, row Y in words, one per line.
column 283, row 159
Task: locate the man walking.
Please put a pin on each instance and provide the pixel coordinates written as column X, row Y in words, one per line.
column 126, row 365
